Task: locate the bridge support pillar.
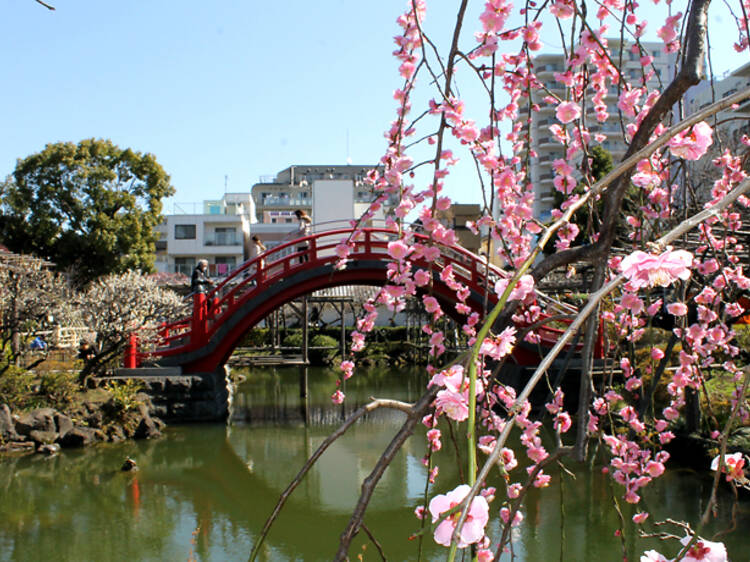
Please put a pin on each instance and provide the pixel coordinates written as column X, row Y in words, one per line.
column 177, row 397
column 199, row 328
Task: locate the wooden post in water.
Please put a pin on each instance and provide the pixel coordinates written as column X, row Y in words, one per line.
column 343, row 329
column 303, row 369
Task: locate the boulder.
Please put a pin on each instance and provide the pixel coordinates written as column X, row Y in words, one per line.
column 49, row 449
column 95, row 418
column 116, row 433
column 7, row 426
column 43, row 437
column 18, row 447
column 80, row 437
column 42, row 419
column 63, row 423
column 147, row 428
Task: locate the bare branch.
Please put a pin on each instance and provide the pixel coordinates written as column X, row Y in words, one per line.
column 371, row 406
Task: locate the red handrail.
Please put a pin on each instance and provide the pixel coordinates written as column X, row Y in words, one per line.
column 249, row 280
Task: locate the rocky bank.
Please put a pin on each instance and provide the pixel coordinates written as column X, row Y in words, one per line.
column 47, row 430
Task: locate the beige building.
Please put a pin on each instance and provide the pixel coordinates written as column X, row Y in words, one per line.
column 277, row 197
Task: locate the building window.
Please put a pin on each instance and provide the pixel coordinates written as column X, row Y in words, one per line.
column 228, row 260
column 225, row 264
column 184, row 265
column 225, row 236
column 184, row 231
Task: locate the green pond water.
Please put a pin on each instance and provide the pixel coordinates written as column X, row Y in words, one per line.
column 204, row 491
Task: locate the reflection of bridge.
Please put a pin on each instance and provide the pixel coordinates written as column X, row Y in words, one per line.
column 204, row 341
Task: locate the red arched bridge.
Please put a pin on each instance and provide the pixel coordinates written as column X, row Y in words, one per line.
column 204, row 341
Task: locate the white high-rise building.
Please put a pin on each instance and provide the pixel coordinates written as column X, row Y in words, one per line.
column 548, row 149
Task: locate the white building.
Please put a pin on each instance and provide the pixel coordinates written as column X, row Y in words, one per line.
column 733, row 123
column 548, row 149
column 216, row 230
column 327, row 193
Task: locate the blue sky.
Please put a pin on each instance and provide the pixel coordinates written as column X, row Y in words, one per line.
column 237, row 88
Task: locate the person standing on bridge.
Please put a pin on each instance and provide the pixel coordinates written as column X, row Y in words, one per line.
column 257, row 249
column 304, row 230
column 200, row 282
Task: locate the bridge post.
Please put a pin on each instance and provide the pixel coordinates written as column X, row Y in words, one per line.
column 199, row 326
column 305, row 334
column 131, row 353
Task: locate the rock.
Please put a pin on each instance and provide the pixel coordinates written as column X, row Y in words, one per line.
column 7, row 426
column 80, row 437
column 147, row 428
column 42, row 419
column 49, row 449
column 63, row 423
column 116, row 433
column 18, row 447
column 43, row 437
column 95, row 418
column 129, row 465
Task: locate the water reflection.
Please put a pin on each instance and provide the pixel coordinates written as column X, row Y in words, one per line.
column 209, row 488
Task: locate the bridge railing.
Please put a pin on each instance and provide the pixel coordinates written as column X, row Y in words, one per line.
column 250, row 279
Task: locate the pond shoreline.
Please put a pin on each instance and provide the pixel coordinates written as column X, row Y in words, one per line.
column 48, row 430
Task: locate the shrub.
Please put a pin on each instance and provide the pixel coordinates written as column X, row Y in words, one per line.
column 16, row 388
column 58, row 389
column 124, row 395
column 322, row 356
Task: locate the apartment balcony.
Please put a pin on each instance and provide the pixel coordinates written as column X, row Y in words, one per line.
column 286, row 202
column 546, row 178
column 214, row 269
column 223, row 240
column 548, row 143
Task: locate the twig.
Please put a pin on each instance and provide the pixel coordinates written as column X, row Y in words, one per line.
column 45, row 5
column 723, row 448
column 593, row 302
column 369, row 484
column 374, row 405
column 517, row 502
column 374, row 541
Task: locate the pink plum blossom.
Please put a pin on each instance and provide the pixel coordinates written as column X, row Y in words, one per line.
column 692, row 143
column 472, row 530
column 646, row 270
column 522, row 291
column 398, row 249
column 453, row 404
column 567, row 111
column 337, row 397
column 562, row 422
column 733, row 466
column 433, row 437
column 704, row 551
column 421, row 277
column 677, row 309
column 653, row 556
column 485, row 555
column 639, row 518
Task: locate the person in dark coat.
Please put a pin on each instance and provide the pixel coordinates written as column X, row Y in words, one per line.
column 200, row 282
